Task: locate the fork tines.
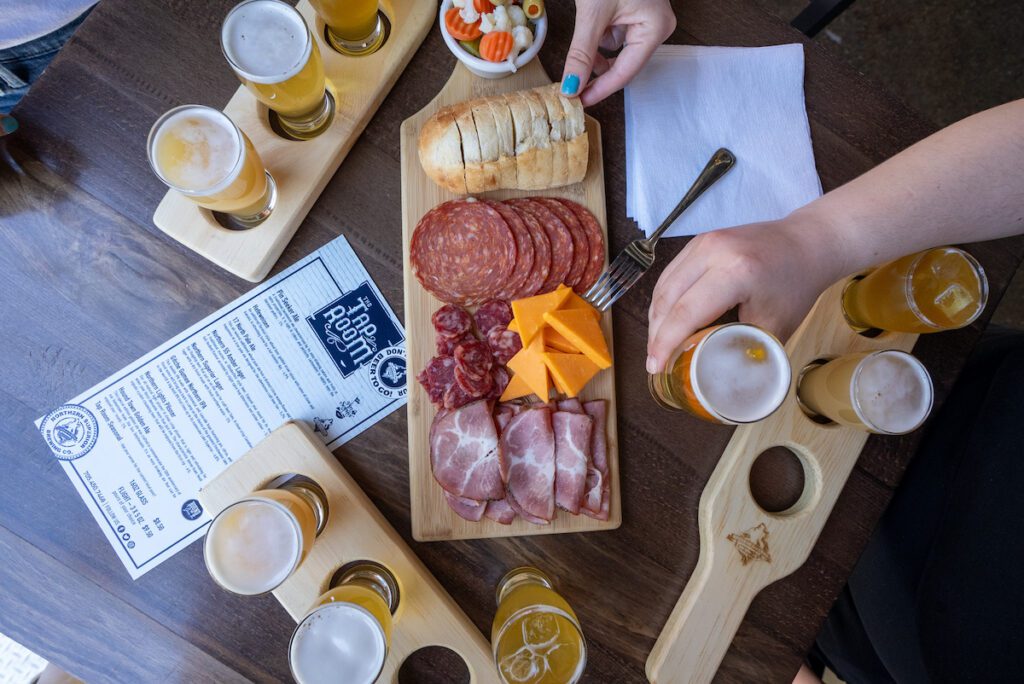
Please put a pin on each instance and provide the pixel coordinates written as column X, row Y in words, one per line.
column 617, row 278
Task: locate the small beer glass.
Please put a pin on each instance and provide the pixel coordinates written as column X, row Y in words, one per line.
column 346, row 635
column 271, row 50
column 202, row 154
column 536, row 637
column 887, row 392
column 732, row 374
column 354, row 27
column 256, row 543
column 939, row 289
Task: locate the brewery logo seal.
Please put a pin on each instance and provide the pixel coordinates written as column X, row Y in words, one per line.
column 387, row 372
column 191, row 510
column 752, row 544
column 70, row 431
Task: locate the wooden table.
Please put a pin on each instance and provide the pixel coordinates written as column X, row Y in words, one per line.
column 87, row 285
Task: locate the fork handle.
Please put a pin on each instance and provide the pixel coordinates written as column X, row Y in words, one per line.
column 720, row 162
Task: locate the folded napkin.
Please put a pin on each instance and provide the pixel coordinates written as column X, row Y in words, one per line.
column 690, row 100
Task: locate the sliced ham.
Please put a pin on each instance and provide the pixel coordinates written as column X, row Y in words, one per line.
column 470, row 509
column 528, row 464
column 502, row 415
column 464, row 452
column 525, row 515
column 572, row 451
column 500, row 511
column 596, row 498
column 571, row 405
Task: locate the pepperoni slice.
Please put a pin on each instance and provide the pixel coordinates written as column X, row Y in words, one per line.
column 580, row 245
column 493, row 313
column 595, row 239
column 558, row 234
column 463, row 252
column 525, row 252
column 474, row 358
column 542, row 254
column 451, row 321
column 504, row 344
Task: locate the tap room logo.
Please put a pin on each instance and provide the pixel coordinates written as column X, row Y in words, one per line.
column 70, row 431
column 387, row 372
column 354, row 328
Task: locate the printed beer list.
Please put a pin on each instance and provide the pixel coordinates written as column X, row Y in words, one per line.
column 317, row 343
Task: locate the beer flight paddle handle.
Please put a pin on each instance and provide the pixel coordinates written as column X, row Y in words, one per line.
column 720, row 163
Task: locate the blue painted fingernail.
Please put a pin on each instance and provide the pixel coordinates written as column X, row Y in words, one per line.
column 9, row 124
column 570, row 84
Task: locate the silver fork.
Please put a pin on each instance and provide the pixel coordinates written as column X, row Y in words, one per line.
column 638, row 256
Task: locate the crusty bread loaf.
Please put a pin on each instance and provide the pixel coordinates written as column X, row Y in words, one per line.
column 527, row 140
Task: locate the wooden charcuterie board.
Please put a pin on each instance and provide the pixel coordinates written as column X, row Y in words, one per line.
column 355, row 530
column 432, row 519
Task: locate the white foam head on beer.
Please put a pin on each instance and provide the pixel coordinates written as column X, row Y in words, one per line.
column 892, row 392
column 253, row 546
column 266, row 41
column 212, row 149
column 338, row 642
column 741, row 373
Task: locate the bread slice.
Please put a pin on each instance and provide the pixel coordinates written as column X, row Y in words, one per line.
column 576, row 137
column 538, row 156
column 579, row 155
column 470, row 149
column 440, row 151
column 504, row 127
column 556, row 119
column 487, row 136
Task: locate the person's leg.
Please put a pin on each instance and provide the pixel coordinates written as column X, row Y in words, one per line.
column 21, row 65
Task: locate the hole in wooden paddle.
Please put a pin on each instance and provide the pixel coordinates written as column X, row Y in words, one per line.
column 777, row 479
column 434, row 665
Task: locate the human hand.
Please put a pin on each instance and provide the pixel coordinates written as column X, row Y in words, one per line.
column 636, row 26
column 773, row 271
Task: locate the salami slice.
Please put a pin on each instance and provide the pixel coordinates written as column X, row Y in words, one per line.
column 595, row 239
column 501, row 378
column 558, row 234
column 452, row 321
column 478, row 388
column 580, row 245
column 525, row 252
column 493, row 313
column 475, row 359
column 456, row 397
column 463, row 252
column 504, row 343
column 446, row 346
column 542, row 254
column 437, row 377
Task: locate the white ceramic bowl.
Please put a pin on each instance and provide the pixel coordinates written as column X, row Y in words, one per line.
column 483, row 68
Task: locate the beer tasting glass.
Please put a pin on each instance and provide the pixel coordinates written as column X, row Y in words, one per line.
column 346, row 635
column 887, row 392
column 202, row 154
column 931, row 291
column 256, row 543
column 353, row 26
column 733, row 374
column 536, row 637
column 272, row 52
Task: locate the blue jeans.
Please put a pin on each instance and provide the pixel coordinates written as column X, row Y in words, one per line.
column 22, row 64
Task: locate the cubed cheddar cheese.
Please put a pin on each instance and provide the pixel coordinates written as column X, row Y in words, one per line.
column 517, row 388
column 582, row 330
column 513, row 326
column 571, row 372
column 528, row 365
column 529, row 312
column 574, row 301
column 555, row 341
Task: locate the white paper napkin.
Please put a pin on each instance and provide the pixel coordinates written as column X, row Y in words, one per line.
column 690, row 100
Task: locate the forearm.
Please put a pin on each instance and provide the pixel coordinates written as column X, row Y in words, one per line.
column 962, row 184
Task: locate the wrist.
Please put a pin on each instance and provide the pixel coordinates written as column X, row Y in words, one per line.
column 825, row 249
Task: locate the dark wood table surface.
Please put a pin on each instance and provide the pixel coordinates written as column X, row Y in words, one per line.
column 88, row 284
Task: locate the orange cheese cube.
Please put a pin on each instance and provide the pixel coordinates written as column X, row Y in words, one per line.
column 581, row 329
column 529, row 312
column 517, row 388
column 513, row 325
column 574, row 301
column 571, row 371
column 528, row 365
column 557, row 342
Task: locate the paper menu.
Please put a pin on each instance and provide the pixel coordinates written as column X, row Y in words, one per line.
column 318, row 343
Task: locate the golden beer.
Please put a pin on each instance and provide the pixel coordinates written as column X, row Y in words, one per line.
column 202, row 154
column 536, row 637
column 887, row 392
column 347, row 633
column 939, row 289
column 733, row 374
column 353, row 26
column 256, row 543
column 271, row 50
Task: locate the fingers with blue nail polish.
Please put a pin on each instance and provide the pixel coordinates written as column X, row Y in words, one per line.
column 8, row 124
column 570, row 84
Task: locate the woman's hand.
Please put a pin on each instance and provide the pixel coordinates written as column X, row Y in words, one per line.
column 636, row 26
column 773, row 271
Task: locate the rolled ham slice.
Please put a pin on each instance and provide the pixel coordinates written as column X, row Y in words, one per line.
column 596, row 498
column 572, row 453
column 571, row 405
column 464, row 452
column 470, row 509
column 500, row 511
column 528, row 464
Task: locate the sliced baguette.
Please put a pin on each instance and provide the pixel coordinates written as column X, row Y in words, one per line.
column 487, row 136
column 556, row 121
column 440, row 150
column 576, row 137
column 539, row 146
column 470, row 149
column 504, row 127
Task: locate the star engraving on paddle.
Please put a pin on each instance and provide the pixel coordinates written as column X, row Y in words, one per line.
column 752, row 544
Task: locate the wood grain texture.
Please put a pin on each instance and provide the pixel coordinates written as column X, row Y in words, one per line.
column 77, row 179
column 355, row 531
column 432, row 518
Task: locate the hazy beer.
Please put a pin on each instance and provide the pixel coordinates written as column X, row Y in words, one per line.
column 347, row 633
column 353, row 26
column 888, row 392
column 733, row 373
column 536, row 637
column 202, row 154
column 272, row 52
column 939, row 289
column 256, row 543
